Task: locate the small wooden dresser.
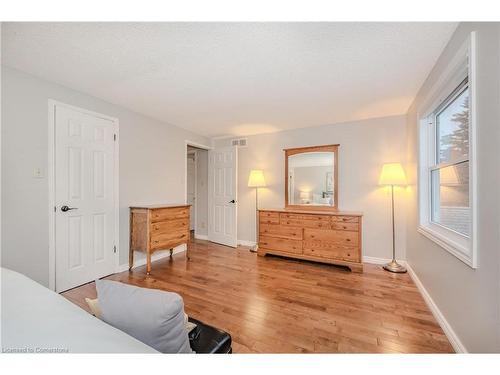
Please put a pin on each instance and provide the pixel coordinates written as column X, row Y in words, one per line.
column 321, row 236
column 160, row 227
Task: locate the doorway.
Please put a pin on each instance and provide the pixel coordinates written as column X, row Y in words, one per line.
column 83, row 188
column 223, row 196
column 197, row 189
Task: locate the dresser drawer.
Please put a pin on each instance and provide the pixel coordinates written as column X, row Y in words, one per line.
column 308, row 222
column 321, row 218
column 161, row 240
column 162, row 214
column 168, row 226
column 331, row 250
column 280, row 231
column 340, row 237
column 164, row 244
column 345, row 219
column 269, row 217
column 354, row 227
column 281, row 244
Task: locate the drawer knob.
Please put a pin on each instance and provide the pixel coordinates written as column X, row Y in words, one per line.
column 348, row 240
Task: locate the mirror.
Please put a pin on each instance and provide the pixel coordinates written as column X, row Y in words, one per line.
column 311, row 177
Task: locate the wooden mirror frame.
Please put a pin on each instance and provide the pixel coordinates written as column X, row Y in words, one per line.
column 301, row 150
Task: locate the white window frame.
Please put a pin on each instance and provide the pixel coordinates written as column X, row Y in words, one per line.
column 462, row 66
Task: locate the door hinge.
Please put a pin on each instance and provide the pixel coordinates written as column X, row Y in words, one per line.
column 114, row 249
column 114, row 137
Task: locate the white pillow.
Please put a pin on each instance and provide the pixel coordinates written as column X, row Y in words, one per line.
column 95, row 309
column 152, row 316
column 324, row 201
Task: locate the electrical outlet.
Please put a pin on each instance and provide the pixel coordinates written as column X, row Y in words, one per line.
column 203, row 224
column 37, row 172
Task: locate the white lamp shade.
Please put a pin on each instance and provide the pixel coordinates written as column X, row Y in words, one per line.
column 304, row 195
column 256, row 178
column 392, row 174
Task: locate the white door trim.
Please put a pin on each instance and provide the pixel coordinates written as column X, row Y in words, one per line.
column 198, row 145
column 195, row 153
column 51, row 182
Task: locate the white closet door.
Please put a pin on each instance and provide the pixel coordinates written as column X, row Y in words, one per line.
column 222, row 195
column 84, row 197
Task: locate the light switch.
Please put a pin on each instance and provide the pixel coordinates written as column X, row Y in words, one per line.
column 37, row 172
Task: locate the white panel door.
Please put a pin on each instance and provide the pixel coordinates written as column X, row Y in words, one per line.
column 222, row 195
column 84, row 197
column 191, row 188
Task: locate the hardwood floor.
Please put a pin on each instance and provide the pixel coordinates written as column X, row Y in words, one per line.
column 274, row 305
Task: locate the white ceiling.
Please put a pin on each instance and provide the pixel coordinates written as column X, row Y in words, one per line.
column 221, row 79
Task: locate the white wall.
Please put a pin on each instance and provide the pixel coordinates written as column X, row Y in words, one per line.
column 364, row 147
column 152, row 157
column 468, row 298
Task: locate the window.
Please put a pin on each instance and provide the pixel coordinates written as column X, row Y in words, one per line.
column 449, row 174
column 446, row 161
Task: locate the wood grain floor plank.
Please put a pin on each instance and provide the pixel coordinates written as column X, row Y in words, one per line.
column 276, row 305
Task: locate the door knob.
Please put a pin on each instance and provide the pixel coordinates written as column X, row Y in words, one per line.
column 232, row 201
column 66, row 208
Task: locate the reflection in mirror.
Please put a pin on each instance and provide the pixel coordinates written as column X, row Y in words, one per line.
column 311, row 179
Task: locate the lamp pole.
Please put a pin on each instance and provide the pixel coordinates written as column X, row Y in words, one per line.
column 256, row 180
column 393, row 227
column 393, row 265
column 256, row 219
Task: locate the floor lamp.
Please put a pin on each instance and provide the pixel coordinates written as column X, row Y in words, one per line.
column 393, row 175
column 256, row 180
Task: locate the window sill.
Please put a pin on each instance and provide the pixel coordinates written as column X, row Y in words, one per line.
column 452, row 247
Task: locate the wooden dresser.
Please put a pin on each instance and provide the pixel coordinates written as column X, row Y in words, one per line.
column 321, row 236
column 160, row 227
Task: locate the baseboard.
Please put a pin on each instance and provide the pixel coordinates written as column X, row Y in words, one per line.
column 448, row 330
column 375, row 260
column 156, row 256
column 240, row 242
column 246, row 243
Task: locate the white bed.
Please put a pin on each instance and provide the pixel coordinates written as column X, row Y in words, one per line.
column 36, row 319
